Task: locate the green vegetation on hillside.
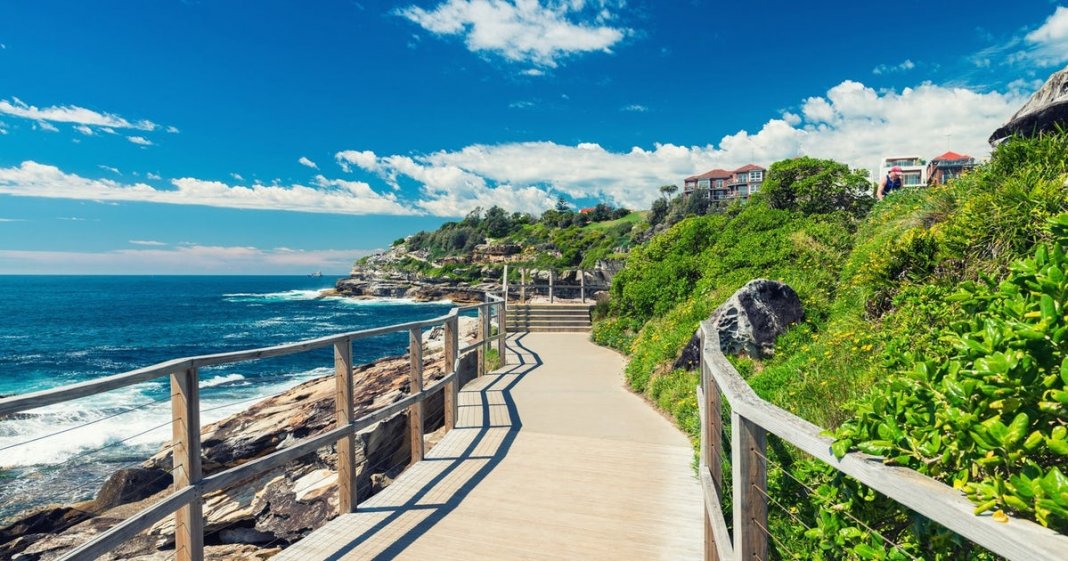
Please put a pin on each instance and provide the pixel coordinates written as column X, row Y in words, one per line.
column 559, row 238
column 934, row 335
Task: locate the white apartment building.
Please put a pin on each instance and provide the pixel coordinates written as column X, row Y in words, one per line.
column 913, row 170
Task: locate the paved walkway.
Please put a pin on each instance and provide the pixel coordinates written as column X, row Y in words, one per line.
column 551, row 459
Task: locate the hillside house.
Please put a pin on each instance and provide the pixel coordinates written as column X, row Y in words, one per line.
column 950, row 165
column 723, row 185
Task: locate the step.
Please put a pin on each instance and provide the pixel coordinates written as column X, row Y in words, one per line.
column 521, row 326
column 549, row 314
column 555, row 330
column 585, row 307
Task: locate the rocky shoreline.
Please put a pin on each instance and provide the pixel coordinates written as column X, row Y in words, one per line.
column 256, row 518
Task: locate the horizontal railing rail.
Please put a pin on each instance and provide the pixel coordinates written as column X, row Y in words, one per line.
column 752, row 418
column 190, row 484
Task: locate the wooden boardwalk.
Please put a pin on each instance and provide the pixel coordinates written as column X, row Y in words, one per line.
column 551, row 459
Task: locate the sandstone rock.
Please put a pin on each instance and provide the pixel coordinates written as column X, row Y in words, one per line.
column 749, row 321
column 1046, row 109
column 129, row 485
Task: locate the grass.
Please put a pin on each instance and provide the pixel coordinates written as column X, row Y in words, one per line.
column 632, row 219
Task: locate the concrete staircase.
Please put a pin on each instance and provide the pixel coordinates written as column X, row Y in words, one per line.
column 549, row 317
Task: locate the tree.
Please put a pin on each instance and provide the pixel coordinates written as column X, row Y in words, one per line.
column 815, row 186
column 668, row 190
column 658, row 212
column 561, row 204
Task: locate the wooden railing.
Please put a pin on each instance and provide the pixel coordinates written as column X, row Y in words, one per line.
column 552, row 289
column 190, row 484
column 752, row 419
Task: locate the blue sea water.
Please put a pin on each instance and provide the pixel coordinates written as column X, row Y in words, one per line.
column 57, row 330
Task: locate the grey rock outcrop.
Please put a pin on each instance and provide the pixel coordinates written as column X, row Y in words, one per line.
column 749, row 321
column 1046, row 109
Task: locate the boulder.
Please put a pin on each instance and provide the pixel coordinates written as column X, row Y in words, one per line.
column 1046, row 109
column 130, row 485
column 749, row 321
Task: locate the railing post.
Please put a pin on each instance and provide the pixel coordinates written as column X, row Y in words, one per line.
column 711, row 442
column 452, row 389
column 185, row 416
column 346, row 445
column 750, row 480
column 502, row 329
column 582, row 285
column 415, row 376
column 523, row 285
column 504, row 283
column 551, row 286
column 483, row 319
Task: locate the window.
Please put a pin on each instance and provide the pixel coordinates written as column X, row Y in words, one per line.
column 911, row 178
column 754, row 188
column 703, row 184
column 719, row 184
column 743, row 191
column 755, row 176
column 741, row 177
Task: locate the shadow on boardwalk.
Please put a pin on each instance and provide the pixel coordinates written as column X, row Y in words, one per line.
column 383, row 527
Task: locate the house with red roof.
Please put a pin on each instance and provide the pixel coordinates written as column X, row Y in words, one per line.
column 722, row 185
column 950, row 165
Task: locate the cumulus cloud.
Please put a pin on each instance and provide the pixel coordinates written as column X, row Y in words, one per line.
column 236, row 176
column 891, row 68
column 151, row 175
column 71, row 114
column 851, row 122
column 184, row 259
column 525, row 31
column 152, row 243
column 45, row 126
column 1049, row 42
column 304, row 161
column 365, row 160
column 139, row 140
column 84, row 130
column 343, row 197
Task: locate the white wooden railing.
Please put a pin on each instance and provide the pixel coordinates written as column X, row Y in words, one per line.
column 191, row 485
column 752, row 419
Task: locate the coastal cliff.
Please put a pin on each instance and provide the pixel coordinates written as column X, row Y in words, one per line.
column 255, row 518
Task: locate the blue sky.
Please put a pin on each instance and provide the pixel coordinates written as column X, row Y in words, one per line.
column 262, row 137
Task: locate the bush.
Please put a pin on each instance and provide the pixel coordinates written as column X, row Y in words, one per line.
column 813, row 186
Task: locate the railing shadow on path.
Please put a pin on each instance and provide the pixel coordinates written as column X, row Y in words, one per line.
column 494, row 393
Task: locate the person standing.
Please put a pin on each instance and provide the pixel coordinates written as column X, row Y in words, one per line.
column 892, row 182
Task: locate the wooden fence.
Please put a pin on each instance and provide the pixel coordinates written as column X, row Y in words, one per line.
column 752, row 419
column 190, row 484
column 553, row 288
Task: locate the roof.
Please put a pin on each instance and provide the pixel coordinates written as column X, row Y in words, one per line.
column 750, row 167
column 952, row 156
column 713, row 174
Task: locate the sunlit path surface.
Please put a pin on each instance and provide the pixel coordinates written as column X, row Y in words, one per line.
column 551, row 459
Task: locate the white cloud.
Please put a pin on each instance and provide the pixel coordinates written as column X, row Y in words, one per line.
column 12, row 219
column 851, row 123
column 1050, row 41
column 635, row 108
column 84, row 130
column 172, row 129
column 365, row 160
column 151, row 175
column 525, row 31
column 109, row 168
column 522, row 104
column 32, row 179
column 237, row 176
column 152, row 243
column 304, row 161
column 70, row 114
column 3, row 128
column 139, row 140
column 533, row 72
column 890, row 68
column 185, row 259
column 46, row 126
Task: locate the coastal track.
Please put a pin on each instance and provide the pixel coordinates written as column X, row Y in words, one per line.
column 551, row 458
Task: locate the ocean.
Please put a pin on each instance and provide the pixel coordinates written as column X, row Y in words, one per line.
column 57, row 330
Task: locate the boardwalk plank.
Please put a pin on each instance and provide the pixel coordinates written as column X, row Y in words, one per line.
column 551, row 459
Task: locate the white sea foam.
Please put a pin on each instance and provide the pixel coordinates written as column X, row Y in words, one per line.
column 221, row 380
column 147, row 426
column 285, row 296
column 381, row 301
